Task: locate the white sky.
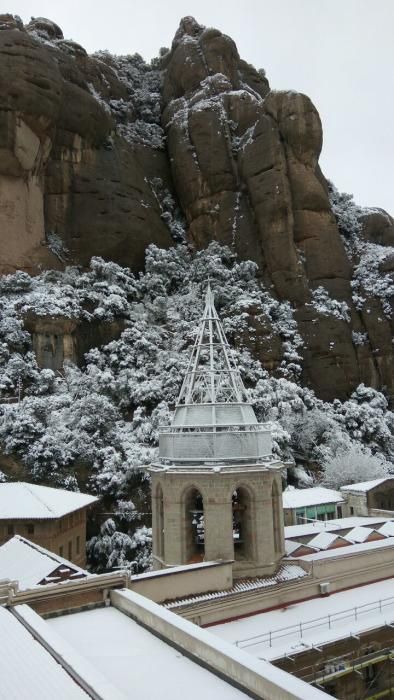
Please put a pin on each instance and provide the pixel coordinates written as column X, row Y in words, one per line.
column 339, row 52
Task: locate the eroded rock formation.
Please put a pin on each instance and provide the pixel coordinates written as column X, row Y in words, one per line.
column 245, row 167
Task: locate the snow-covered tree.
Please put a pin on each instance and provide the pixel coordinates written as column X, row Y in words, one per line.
column 112, row 549
column 353, row 465
column 96, row 426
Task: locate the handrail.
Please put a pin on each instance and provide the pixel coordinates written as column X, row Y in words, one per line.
column 302, row 627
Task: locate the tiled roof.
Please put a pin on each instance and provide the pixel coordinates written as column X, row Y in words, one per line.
column 287, row 572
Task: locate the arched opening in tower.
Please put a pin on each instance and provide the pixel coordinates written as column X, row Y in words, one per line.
column 194, row 526
column 276, row 524
column 242, row 524
column 160, row 523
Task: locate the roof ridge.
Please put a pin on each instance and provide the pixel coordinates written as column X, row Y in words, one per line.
column 46, row 552
column 36, row 496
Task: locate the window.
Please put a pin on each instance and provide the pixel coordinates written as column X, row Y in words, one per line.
column 10, row 529
column 30, row 529
column 339, row 511
column 242, row 523
column 351, row 510
column 70, row 549
column 194, row 528
column 78, row 544
column 276, row 521
column 159, row 512
column 61, row 550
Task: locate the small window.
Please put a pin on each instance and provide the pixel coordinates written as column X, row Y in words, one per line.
column 351, row 510
column 70, row 549
column 30, row 529
column 78, row 544
column 339, row 511
column 10, row 529
column 61, row 550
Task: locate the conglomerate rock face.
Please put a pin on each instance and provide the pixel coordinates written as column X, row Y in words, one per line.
column 82, row 163
column 245, row 165
column 63, row 170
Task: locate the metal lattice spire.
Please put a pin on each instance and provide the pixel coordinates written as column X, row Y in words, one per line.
column 213, row 421
column 212, row 375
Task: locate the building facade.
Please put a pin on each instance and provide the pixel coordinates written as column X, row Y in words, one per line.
column 305, row 505
column 372, row 498
column 52, row 518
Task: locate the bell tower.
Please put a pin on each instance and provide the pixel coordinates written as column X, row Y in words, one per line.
column 216, row 489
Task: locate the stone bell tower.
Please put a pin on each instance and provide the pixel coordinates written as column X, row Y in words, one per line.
column 216, row 489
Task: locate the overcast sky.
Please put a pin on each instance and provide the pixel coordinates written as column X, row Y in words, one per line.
column 339, row 52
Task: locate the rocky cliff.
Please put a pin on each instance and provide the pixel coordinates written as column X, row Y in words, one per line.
column 103, row 155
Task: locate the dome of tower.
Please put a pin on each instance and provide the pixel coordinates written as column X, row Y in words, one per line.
column 213, row 423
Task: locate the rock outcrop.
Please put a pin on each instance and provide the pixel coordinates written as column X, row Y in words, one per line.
column 83, row 158
column 245, row 167
column 63, row 171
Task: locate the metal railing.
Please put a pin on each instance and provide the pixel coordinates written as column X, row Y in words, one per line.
column 327, row 620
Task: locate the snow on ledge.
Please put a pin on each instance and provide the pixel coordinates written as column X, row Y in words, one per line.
column 180, row 569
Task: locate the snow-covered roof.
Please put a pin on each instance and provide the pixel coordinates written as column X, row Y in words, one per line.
column 358, row 534
column 292, row 531
column 351, row 549
column 363, row 486
column 27, row 669
column 20, row 501
column 125, row 653
column 387, row 529
column 30, row 564
column 276, row 641
column 299, row 498
column 322, row 540
column 291, row 546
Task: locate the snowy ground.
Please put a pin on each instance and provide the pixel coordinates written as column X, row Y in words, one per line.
column 135, row 661
column 322, row 631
